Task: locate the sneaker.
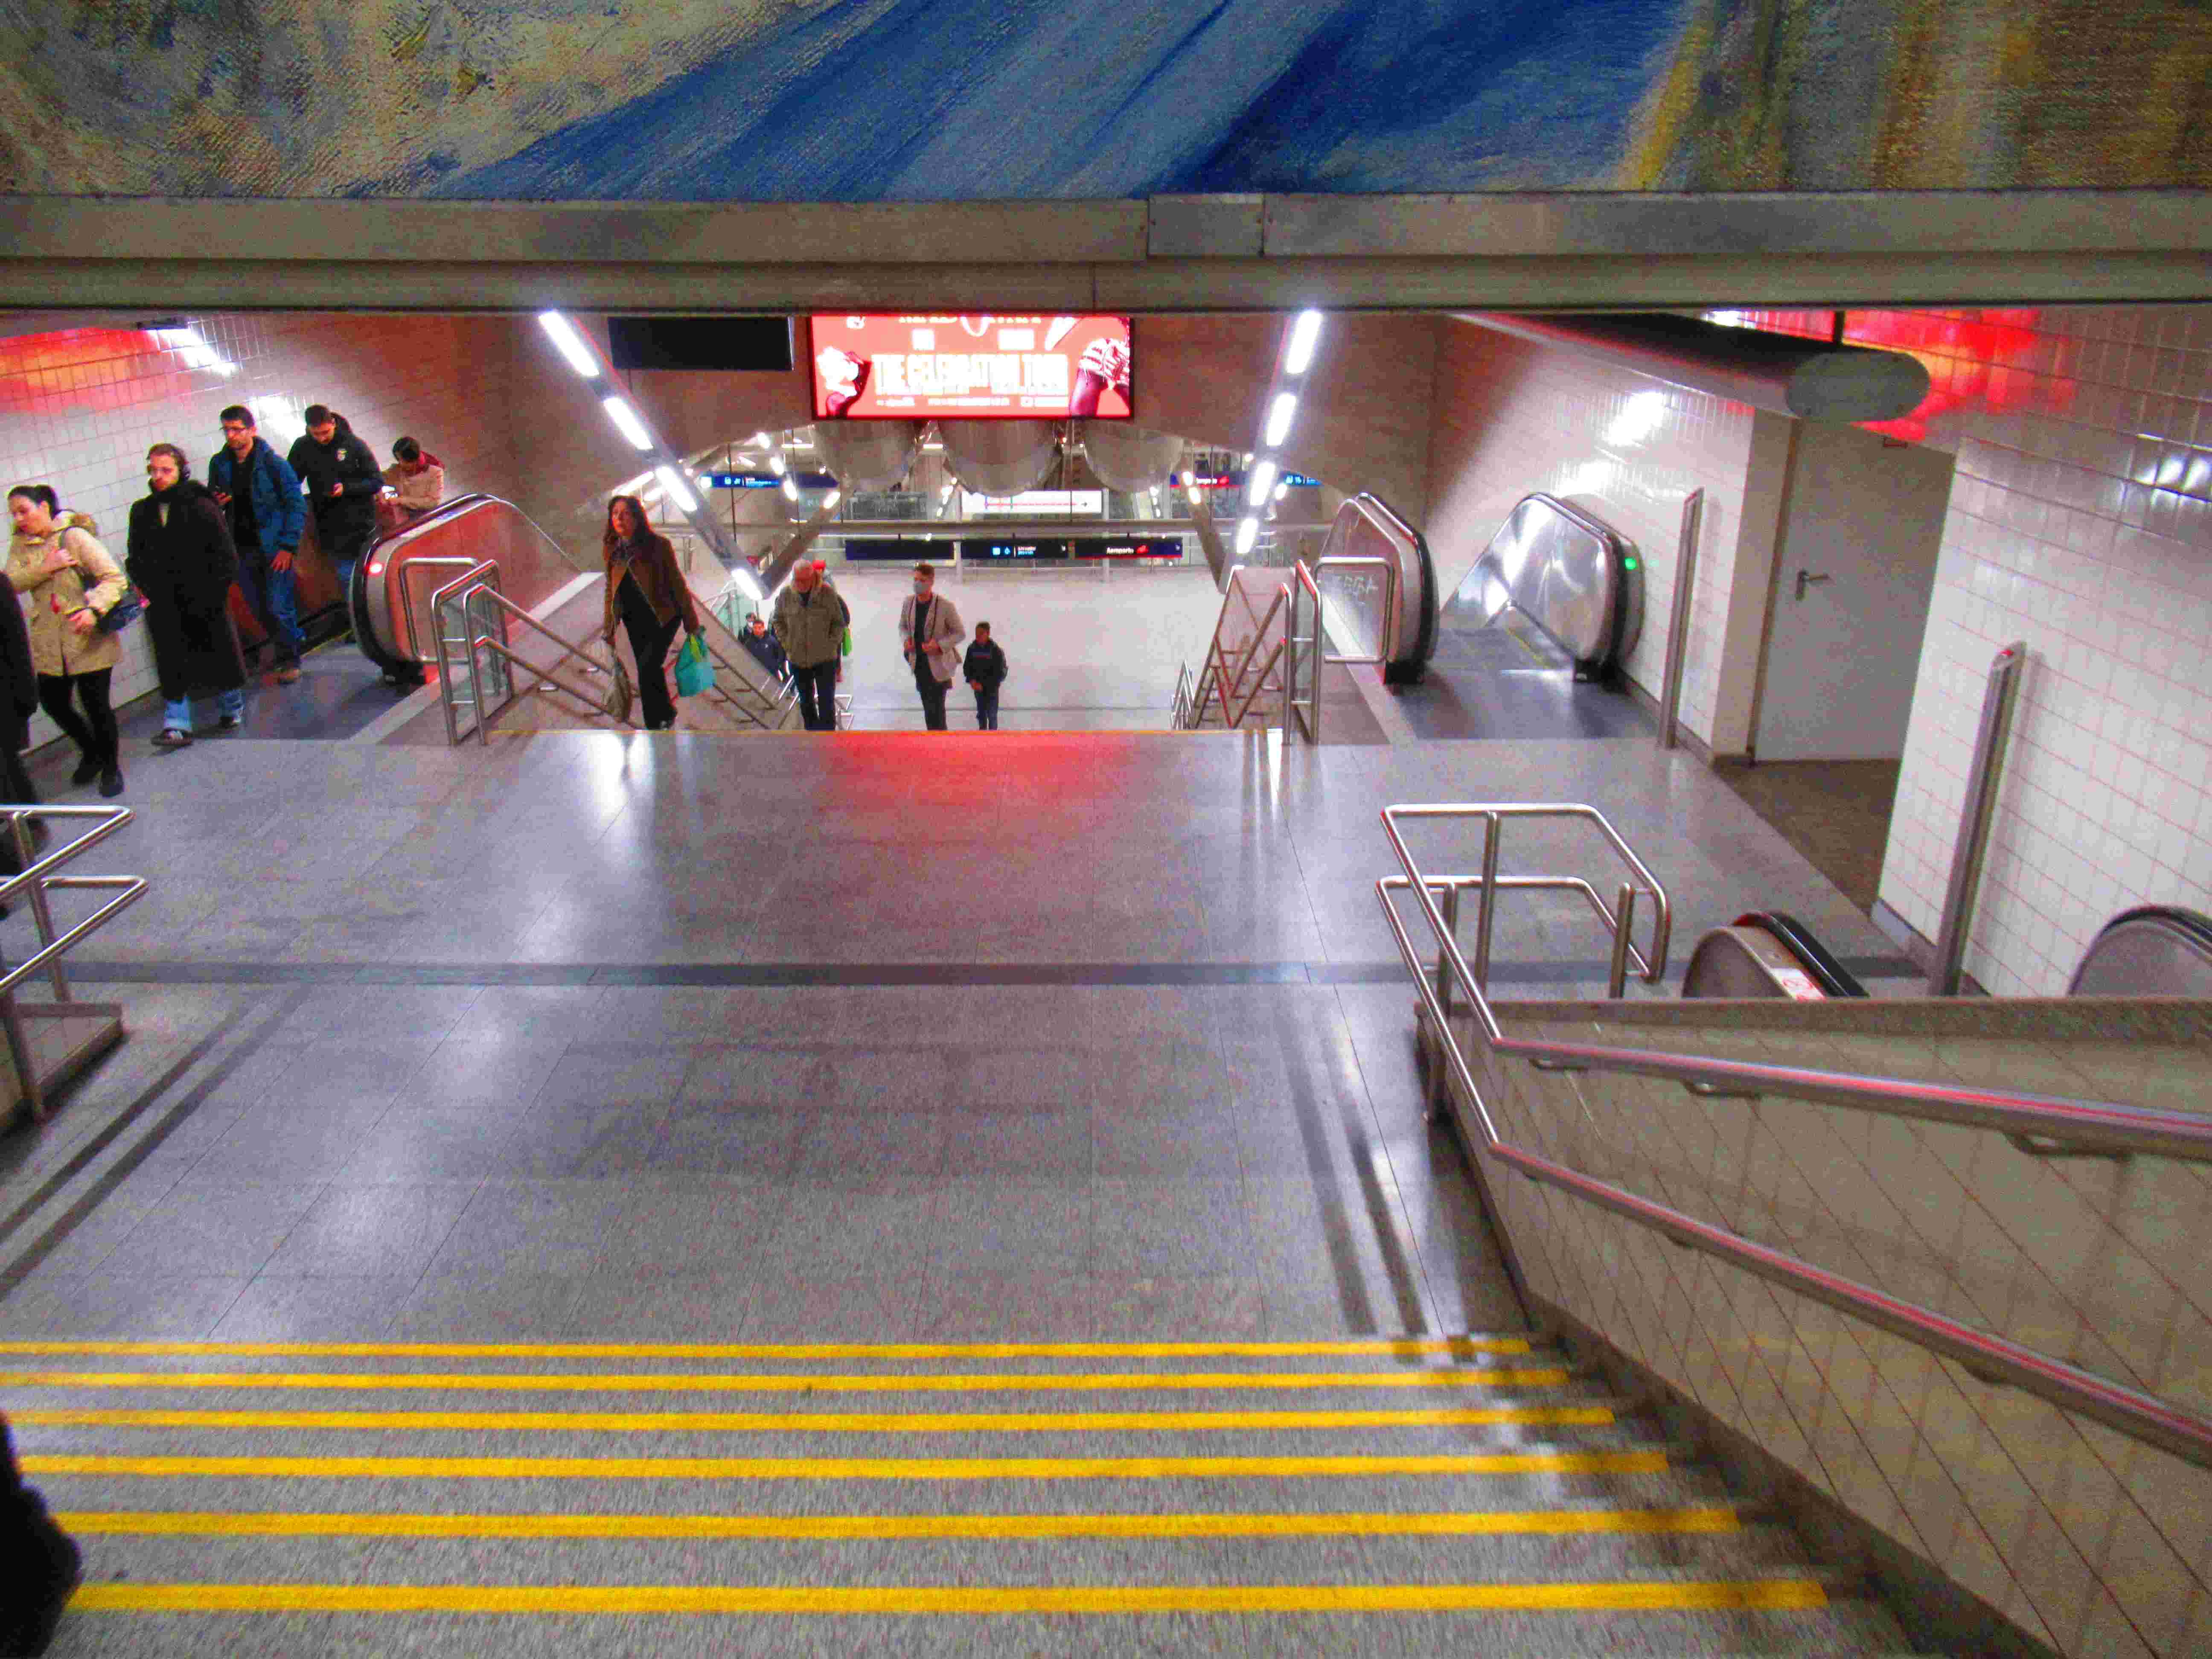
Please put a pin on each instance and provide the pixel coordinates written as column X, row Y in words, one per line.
column 86, row 770
column 228, row 723
column 287, row 673
column 111, row 782
column 170, row 737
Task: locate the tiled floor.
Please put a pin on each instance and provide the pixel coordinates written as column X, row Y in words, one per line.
column 1836, row 813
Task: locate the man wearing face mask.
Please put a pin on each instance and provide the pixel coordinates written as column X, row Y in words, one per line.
column 929, row 632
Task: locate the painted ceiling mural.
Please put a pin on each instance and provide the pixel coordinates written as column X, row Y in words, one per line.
column 963, row 100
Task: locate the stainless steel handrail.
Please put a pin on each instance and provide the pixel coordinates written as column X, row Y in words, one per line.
column 477, row 570
column 2142, row 1417
column 1229, row 687
column 478, row 642
column 1620, row 921
column 1305, row 715
column 35, row 880
column 1349, row 560
column 408, row 568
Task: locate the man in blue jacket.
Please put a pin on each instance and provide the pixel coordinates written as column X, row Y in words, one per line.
column 260, row 493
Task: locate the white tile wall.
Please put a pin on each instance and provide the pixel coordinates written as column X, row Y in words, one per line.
column 2081, row 523
column 79, row 408
column 1511, row 418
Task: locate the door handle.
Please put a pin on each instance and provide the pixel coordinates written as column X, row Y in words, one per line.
column 1806, row 578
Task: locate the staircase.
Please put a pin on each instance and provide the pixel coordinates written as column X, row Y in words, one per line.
column 1238, row 685
column 1476, row 1495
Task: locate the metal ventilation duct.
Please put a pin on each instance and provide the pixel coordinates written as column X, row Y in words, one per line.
column 866, row 454
column 999, row 458
column 1811, row 379
column 1127, row 458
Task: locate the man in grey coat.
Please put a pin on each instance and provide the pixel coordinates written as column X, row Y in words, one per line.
column 929, row 632
column 810, row 620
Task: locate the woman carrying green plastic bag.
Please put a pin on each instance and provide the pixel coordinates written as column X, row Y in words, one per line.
column 694, row 672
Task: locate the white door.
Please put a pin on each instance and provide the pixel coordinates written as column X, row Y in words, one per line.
column 1852, row 582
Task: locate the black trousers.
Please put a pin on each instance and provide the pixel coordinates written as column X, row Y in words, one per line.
column 649, row 640
column 95, row 733
column 818, row 694
column 933, row 693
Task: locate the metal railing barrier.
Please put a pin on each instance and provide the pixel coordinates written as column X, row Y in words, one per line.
column 468, row 591
column 36, row 881
column 1303, row 594
column 2046, row 1120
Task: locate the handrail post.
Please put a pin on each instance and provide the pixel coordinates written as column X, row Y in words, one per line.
column 1443, row 956
column 1491, row 828
column 1975, row 818
column 1624, row 920
column 41, row 914
column 1678, row 625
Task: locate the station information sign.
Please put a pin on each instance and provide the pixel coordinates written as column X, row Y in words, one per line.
column 916, row 366
column 764, row 481
column 1010, row 549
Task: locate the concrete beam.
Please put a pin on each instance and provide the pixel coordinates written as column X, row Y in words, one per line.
column 1534, row 251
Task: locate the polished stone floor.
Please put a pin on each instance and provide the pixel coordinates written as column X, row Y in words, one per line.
column 871, row 1038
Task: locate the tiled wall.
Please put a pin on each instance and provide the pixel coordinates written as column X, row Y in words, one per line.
column 2085, row 1539
column 2081, row 522
column 1511, row 418
column 79, row 408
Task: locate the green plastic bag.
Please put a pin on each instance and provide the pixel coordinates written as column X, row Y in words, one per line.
column 693, row 673
column 845, row 647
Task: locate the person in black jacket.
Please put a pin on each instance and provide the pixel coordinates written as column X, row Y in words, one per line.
column 43, row 1567
column 181, row 557
column 985, row 669
column 19, row 700
column 342, row 480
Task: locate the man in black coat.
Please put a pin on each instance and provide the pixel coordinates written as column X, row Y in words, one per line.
column 341, row 480
column 19, row 700
column 181, row 557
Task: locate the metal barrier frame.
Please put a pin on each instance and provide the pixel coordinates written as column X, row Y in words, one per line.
column 446, row 680
column 1306, row 716
column 35, row 880
column 2081, row 1124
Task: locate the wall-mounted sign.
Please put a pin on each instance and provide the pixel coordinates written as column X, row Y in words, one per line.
column 764, row 481
column 1076, row 503
column 1236, row 481
column 911, row 366
column 1048, row 550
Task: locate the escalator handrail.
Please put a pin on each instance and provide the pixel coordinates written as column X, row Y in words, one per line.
column 2195, row 928
column 1831, row 975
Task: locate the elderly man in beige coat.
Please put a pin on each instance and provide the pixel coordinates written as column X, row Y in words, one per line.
column 929, row 632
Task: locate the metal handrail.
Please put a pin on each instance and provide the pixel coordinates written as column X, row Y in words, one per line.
column 476, row 571
column 35, row 880
column 1228, row 688
column 1992, row 1358
column 1346, row 561
column 442, row 561
column 479, row 642
column 1620, row 921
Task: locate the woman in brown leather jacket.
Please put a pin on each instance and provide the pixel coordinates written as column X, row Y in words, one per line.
column 647, row 594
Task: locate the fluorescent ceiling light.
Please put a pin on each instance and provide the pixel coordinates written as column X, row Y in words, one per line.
column 673, row 484
column 1279, row 419
column 750, row 582
column 1262, row 484
column 562, row 333
column 775, row 464
column 1305, row 334
column 626, row 422
column 760, row 440
column 790, row 489
column 1281, row 491
column 1247, row 533
column 830, row 501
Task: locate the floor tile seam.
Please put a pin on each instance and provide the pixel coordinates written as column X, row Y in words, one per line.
column 144, row 1147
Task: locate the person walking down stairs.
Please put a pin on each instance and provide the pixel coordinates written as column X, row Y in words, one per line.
column 72, row 583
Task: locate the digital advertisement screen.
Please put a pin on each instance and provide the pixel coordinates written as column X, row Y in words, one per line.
column 912, row 367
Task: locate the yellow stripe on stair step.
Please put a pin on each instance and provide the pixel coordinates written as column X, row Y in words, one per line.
column 823, row 1422
column 1698, row 1595
column 1634, row 1462
column 1391, row 1347
column 227, row 1523
column 789, row 1381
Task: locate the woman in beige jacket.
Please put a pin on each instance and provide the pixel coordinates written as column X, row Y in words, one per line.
column 71, row 583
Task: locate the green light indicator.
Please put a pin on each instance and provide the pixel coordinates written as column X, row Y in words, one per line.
column 1628, row 564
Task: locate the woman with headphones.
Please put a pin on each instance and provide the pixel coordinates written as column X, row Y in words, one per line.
column 183, row 562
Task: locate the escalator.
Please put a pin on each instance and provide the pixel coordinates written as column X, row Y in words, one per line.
column 395, row 578
column 2152, row 951
column 1533, row 641
column 1766, row 954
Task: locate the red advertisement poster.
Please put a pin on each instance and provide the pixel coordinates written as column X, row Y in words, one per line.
column 911, row 367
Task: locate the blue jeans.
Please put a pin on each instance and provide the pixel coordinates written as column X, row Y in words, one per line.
column 273, row 596
column 987, row 709
column 179, row 715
